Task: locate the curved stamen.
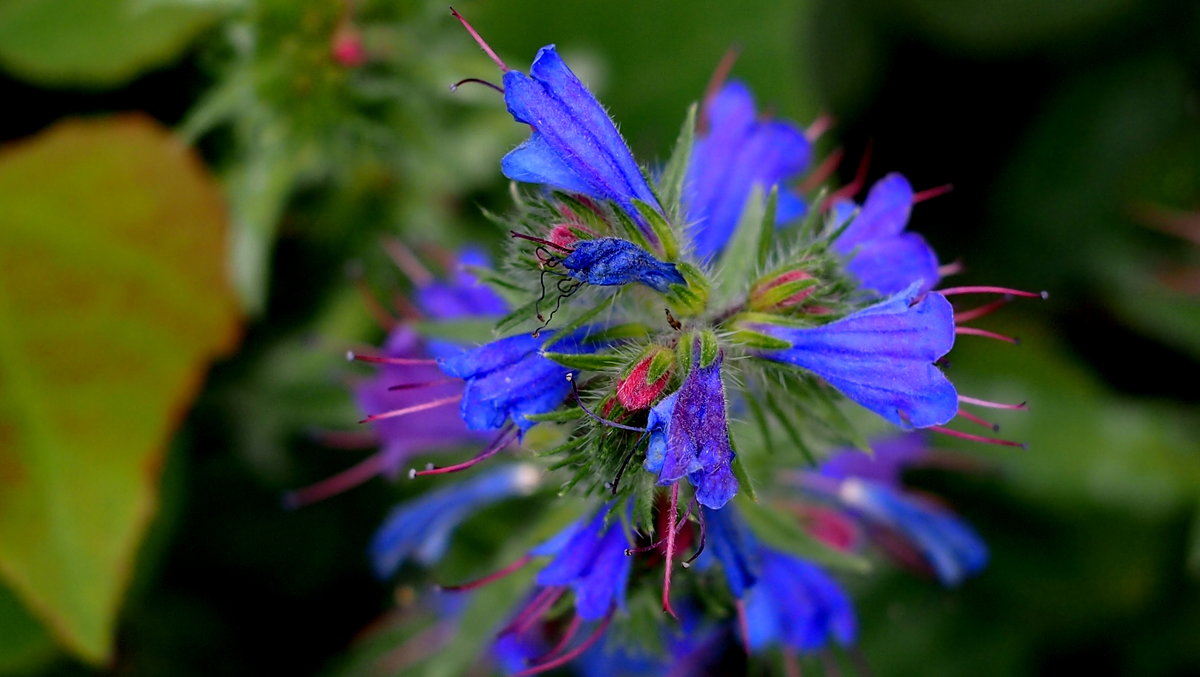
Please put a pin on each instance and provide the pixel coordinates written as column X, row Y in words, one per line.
column 352, row 356
column 573, row 653
column 992, row 405
column 495, row 576
column 930, row 193
column 975, row 438
column 596, row 417
column 978, row 420
column 976, row 313
column 670, row 554
column 537, row 606
column 720, row 74
column 454, row 87
column 983, row 289
column 860, row 178
column 539, row 240
column 973, row 331
column 422, row 384
column 480, row 41
column 502, row 440
column 331, row 486
column 404, row 411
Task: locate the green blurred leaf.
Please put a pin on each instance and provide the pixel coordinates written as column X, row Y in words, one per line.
column 24, row 643
column 782, row 532
column 113, row 298
column 95, row 43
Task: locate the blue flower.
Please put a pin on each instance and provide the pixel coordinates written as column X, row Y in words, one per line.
column 574, row 146
column 590, row 558
column 463, row 295
column 508, row 379
column 734, row 546
column 881, row 357
column 947, row 544
column 885, row 463
column 420, row 529
column 611, row 261
column 883, row 257
column 739, row 153
column 689, row 436
column 796, row 604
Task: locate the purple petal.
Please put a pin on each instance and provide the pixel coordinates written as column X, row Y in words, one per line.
column 885, row 212
column 889, row 265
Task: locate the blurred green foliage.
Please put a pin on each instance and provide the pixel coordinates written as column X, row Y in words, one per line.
column 1068, row 129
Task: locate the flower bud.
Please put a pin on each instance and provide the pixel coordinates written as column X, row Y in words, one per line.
column 646, row 381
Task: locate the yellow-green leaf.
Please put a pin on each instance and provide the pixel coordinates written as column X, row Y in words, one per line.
column 113, row 299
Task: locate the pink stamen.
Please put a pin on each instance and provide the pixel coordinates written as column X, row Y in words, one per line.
column 572, row 654
column 743, row 624
column 860, row 179
column 974, row 331
column 976, row 438
column 480, row 582
column 990, row 404
column 502, row 440
column 412, row 410
column 332, row 486
column 353, row 356
column 952, row 268
column 670, row 554
column 480, row 41
column 382, row 316
column 791, row 666
column 407, row 262
column 823, row 171
column 423, row 384
column 344, row 439
column 720, row 74
column 541, row 241
column 819, row 126
column 930, row 193
column 978, row 420
column 568, row 635
column 952, row 291
column 976, row 313
column 540, row 603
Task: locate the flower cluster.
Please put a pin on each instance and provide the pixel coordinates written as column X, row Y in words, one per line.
column 714, row 324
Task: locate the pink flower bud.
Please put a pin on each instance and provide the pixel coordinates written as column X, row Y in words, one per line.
column 635, row 392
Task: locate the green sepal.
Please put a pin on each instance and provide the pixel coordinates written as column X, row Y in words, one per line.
column 558, row 416
column 773, row 296
column 670, row 184
column 739, row 471
column 659, row 364
column 692, row 299
column 459, row 330
column 633, row 232
column 756, row 340
column 740, row 260
column 668, row 243
column 584, row 361
column 710, row 347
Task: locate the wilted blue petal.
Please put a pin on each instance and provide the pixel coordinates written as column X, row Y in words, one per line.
column 574, row 145
column 689, row 435
column 611, row 261
column 881, row 357
column 735, row 155
column 420, row 529
column 949, row 546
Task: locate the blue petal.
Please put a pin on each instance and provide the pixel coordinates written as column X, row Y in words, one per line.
column 593, row 562
column 951, row 548
column 491, row 356
column 885, row 212
column 735, row 156
column 462, row 296
column 574, row 145
column 733, row 546
column 881, row 357
column 420, row 529
column 889, row 265
column 797, row 604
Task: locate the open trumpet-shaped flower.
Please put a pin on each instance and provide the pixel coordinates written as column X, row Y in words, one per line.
column 881, row 357
column 883, row 257
column 590, row 558
column 574, row 145
column 738, row 153
column 508, row 379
